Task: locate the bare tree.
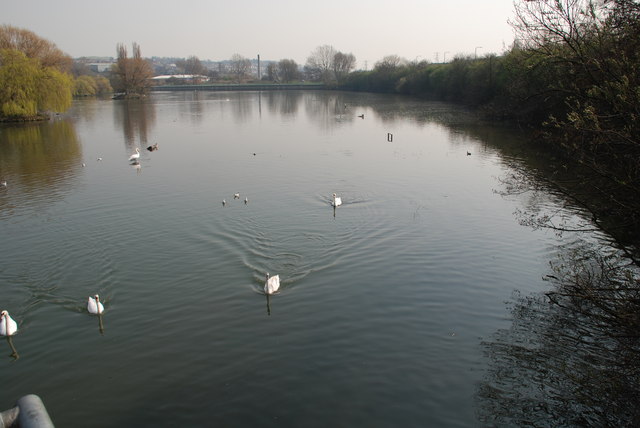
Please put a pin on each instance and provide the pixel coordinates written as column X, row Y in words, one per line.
column 319, row 64
column 272, row 72
column 389, row 62
column 131, row 76
column 240, row 67
column 288, row 70
column 191, row 65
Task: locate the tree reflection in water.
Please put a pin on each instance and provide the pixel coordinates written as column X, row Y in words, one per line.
column 571, row 356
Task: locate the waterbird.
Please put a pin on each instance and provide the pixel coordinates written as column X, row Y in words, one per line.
column 236, row 196
column 272, row 284
column 99, row 159
column 246, row 200
column 83, row 164
column 3, row 184
column 135, row 156
column 8, row 327
column 224, row 202
column 337, row 201
column 361, row 116
column 153, row 147
column 94, row 306
column 468, row 153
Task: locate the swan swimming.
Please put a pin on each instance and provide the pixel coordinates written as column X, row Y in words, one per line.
column 272, row 284
column 135, row 156
column 337, row 201
column 94, row 306
column 8, row 327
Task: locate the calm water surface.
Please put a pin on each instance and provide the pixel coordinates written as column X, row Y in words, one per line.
column 384, row 302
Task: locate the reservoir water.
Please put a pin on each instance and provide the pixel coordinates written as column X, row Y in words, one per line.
column 384, row 302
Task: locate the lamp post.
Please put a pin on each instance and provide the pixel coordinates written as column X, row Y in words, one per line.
column 477, row 47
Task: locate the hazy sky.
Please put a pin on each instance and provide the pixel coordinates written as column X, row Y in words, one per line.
column 274, row 29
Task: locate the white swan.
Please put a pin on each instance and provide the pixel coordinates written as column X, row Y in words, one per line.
column 272, row 284
column 337, row 201
column 8, row 327
column 94, row 306
column 135, row 156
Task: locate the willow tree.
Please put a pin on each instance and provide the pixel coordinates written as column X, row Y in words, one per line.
column 91, row 85
column 34, row 76
column 131, row 76
column 27, row 89
column 33, row 46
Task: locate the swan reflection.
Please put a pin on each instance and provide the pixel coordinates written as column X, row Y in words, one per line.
column 268, row 304
column 100, row 324
column 14, row 352
column 95, row 307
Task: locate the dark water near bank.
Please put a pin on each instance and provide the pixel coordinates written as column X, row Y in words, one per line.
column 384, row 302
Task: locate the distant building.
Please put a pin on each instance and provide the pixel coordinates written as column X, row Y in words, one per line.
column 179, row 78
column 100, row 67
